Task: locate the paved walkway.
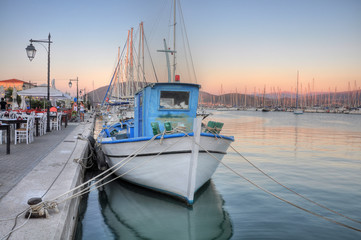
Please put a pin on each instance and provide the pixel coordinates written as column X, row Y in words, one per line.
column 45, row 168
column 24, row 157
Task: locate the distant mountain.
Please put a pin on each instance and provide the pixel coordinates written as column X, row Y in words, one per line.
column 96, row 96
column 99, row 94
column 352, row 98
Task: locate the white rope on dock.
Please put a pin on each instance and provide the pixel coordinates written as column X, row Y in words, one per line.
column 116, row 166
column 6, row 236
column 89, row 189
column 48, row 204
column 113, row 169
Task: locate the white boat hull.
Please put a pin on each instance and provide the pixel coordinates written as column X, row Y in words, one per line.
column 298, row 111
column 170, row 165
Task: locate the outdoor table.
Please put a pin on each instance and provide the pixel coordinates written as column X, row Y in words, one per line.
column 14, row 121
column 7, row 128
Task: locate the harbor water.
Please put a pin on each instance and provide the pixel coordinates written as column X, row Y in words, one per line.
column 317, row 155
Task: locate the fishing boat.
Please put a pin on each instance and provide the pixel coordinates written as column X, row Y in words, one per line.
column 165, row 147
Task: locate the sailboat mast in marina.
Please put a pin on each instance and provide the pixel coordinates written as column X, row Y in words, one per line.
column 297, row 110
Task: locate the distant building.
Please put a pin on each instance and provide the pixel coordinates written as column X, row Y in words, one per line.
column 18, row 84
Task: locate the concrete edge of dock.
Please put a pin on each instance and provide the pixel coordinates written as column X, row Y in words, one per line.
column 56, row 174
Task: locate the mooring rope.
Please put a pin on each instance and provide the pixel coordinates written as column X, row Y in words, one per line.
column 91, row 155
column 121, row 163
column 89, row 189
column 289, row 189
column 127, row 159
column 6, row 236
column 132, row 156
column 213, row 130
column 278, row 197
column 50, row 204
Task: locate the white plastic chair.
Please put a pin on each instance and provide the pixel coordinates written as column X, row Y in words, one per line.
column 13, row 115
column 55, row 122
column 42, row 124
column 1, row 136
column 26, row 132
column 2, row 114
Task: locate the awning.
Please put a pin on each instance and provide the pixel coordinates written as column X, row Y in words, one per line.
column 42, row 91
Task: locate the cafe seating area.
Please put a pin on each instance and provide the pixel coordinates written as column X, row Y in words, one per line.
column 26, row 125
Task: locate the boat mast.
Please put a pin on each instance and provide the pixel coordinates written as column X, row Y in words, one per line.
column 118, row 70
column 127, row 68
column 143, row 66
column 297, row 92
column 264, row 92
column 131, row 87
column 174, row 31
column 166, row 50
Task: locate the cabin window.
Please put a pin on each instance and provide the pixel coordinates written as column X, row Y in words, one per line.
column 174, row 100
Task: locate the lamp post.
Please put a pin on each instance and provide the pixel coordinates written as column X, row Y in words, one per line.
column 83, row 94
column 30, row 51
column 70, row 84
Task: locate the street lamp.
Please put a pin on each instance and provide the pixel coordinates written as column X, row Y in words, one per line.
column 82, row 94
column 70, row 84
column 30, row 51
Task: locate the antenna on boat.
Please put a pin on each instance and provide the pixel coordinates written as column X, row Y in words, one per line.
column 166, row 51
column 174, row 57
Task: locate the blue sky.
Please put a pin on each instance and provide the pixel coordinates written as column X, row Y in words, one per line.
column 236, row 43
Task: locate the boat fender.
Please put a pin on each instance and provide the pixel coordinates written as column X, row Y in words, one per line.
column 92, row 143
column 218, row 127
column 214, row 127
column 168, row 126
column 155, row 127
column 210, row 126
column 91, row 140
column 101, row 162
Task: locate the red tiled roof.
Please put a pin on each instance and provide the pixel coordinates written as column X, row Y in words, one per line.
column 12, row 80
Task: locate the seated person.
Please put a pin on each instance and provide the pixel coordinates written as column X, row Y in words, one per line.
column 53, row 109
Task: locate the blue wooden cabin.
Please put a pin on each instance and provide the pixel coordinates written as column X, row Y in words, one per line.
column 174, row 103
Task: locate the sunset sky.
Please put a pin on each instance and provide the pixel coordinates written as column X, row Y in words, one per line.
column 235, row 44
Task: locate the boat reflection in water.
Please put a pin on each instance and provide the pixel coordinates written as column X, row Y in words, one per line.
column 133, row 212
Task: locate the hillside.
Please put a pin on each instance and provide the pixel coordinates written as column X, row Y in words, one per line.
column 351, row 99
column 96, row 97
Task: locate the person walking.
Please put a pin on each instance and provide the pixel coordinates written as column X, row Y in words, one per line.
column 82, row 110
